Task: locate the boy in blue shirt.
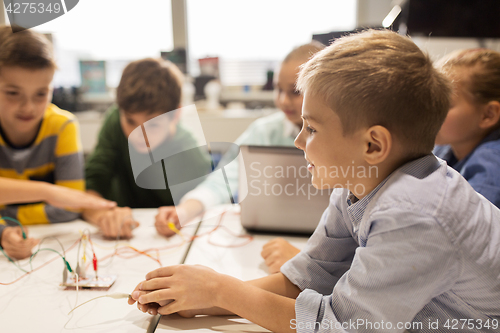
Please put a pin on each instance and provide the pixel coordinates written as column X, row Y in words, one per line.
column 405, row 244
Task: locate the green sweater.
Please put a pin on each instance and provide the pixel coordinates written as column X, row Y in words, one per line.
column 109, row 172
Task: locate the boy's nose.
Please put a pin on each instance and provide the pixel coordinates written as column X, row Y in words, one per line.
column 27, row 105
column 298, row 141
column 283, row 99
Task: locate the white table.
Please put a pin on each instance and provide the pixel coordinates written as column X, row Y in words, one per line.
column 243, row 262
column 37, row 303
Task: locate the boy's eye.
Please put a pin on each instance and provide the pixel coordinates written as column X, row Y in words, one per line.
column 130, row 121
column 296, row 92
column 12, row 93
column 310, row 130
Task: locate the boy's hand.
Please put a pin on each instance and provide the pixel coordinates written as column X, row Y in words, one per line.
column 151, row 308
column 180, row 288
column 165, row 215
column 15, row 245
column 116, row 222
column 67, row 198
column 276, row 252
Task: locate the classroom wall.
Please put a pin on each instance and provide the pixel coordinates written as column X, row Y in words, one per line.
column 437, row 47
column 372, row 12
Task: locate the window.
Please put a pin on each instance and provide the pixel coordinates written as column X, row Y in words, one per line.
column 117, row 31
column 245, row 33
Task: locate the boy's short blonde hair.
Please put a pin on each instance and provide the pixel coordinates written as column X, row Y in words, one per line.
column 26, row 49
column 482, row 81
column 151, row 85
column 378, row 77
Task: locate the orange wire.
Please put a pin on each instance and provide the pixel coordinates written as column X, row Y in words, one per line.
column 121, row 251
column 219, row 224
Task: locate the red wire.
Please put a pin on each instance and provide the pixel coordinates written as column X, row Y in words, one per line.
column 120, row 251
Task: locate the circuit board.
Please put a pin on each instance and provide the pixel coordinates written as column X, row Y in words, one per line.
column 102, row 282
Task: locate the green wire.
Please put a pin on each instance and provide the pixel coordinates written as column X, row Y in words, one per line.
column 34, row 254
column 6, row 218
column 47, row 249
column 12, row 261
column 16, row 221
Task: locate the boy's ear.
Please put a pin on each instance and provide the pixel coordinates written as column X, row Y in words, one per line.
column 378, row 144
column 491, row 115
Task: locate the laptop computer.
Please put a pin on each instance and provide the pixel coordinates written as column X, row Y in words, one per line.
column 277, row 192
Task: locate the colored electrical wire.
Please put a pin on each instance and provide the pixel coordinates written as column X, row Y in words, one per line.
column 54, row 238
column 38, row 268
column 114, row 295
column 13, row 261
column 6, row 218
column 128, row 252
column 68, row 266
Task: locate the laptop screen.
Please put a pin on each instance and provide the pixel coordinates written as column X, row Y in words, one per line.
column 278, row 194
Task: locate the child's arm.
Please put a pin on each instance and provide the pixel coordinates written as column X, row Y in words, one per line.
column 14, row 191
column 185, row 212
column 101, row 167
column 268, row 302
column 407, row 261
column 276, row 252
column 114, row 222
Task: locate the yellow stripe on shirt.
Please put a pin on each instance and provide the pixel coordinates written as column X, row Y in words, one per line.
column 28, row 173
column 32, row 214
column 74, row 184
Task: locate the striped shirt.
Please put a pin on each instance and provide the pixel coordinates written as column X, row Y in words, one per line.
column 421, row 252
column 55, row 157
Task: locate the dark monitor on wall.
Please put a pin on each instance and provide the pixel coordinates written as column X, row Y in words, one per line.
column 450, row 18
column 329, row 37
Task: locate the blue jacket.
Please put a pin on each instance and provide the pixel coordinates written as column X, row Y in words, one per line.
column 481, row 167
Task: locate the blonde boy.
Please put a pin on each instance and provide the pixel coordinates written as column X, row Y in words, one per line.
column 415, row 248
column 41, row 163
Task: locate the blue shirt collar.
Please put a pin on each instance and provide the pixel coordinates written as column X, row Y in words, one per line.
column 419, row 168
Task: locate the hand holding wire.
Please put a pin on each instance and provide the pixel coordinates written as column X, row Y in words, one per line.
column 15, row 243
column 166, row 216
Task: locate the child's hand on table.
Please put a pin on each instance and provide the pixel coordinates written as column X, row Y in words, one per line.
column 166, row 215
column 14, row 245
column 184, row 289
column 178, row 215
column 276, row 252
column 116, row 222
